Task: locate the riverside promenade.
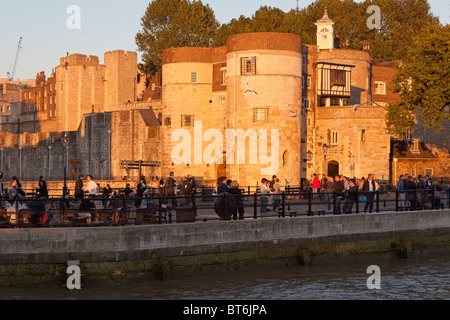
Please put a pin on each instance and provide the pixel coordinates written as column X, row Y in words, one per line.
column 120, row 255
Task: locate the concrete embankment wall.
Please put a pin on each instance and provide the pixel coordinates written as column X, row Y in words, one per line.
column 124, row 254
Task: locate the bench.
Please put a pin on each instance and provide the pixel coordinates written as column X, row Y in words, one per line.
column 288, row 212
column 318, row 212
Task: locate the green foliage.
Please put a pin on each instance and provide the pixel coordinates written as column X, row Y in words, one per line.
column 401, row 20
column 422, row 81
column 173, row 23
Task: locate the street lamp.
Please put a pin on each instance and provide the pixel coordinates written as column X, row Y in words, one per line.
column 309, row 156
column 325, row 150
column 65, row 141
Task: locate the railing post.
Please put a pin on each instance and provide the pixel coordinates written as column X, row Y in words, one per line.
column 415, row 198
column 334, row 201
column 17, row 214
column 377, row 194
column 309, row 203
column 255, row 211
column 396, row 200
column 160, row 208
column 357, row 201
column 194, row 205
column 432, row 199
column 283, row 204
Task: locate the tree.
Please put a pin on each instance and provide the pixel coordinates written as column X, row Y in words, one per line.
column 265, row 19
column 422, row 81
column 173, row 23
column 401, row 20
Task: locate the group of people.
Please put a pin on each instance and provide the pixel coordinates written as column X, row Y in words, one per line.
column 347, row 191
column 407, row 186
column 15, row 190
column 270, row 195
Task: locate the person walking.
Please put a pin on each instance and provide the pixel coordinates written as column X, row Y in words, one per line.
column 329, row 188
column 169, row 188
column 92, row 187
column 79, row 191
column 276, row 194
column 339, row 188
column 188, row 190
column 369, row 188
column 351, row 198
column 194, row 189
column 410, row 190
column 401, row 193
column 238, row 201
column 315, row 187
column 264, row 196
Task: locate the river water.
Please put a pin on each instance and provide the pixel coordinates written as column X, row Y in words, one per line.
column 420, row 278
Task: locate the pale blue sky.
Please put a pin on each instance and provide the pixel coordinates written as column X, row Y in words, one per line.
column 105, row 25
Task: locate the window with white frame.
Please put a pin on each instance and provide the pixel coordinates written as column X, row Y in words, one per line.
column 379, row 87
column 429, row 172
column 334, row 138
column 415, row 146
column 224, row 76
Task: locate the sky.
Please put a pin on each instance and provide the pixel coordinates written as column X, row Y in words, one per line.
column 105, row 25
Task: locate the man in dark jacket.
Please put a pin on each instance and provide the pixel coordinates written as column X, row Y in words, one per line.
column 170, row 188
column 352, row 195
column 222, row 187
column 369, row 187
column 79, row 193
column 339, row 188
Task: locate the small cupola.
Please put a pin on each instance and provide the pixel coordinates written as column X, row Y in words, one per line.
column 326, row 33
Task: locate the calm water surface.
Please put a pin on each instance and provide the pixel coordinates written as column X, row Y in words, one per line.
column 422, row 278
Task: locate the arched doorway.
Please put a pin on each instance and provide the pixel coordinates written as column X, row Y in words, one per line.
column 333, row 168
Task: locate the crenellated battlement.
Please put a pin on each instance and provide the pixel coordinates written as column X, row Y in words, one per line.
column 121, row 53
column 80, row 60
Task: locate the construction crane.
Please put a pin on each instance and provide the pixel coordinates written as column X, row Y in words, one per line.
column 11, row 76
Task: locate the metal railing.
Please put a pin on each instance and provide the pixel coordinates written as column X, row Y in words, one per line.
column 122, row 211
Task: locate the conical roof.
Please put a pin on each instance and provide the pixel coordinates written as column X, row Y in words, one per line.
column 325, row 18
